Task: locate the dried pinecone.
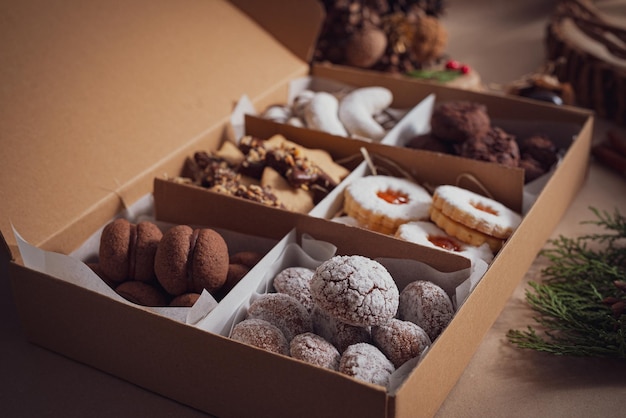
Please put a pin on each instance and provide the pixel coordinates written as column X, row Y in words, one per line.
column 389, row 36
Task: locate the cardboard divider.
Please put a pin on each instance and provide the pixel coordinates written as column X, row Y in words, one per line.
column 408, row 91
column 205, row 207
column 503, row 183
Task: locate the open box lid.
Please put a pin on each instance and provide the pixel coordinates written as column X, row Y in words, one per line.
column 99, row 97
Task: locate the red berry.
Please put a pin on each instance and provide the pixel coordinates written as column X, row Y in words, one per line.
column 453, row 65
column 465, row 69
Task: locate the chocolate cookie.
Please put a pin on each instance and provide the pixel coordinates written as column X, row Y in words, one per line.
column 236, row 272
column 186, row 300
column 495, row 146
column 247, row 258
column 141, row 293
column 458, row 121
column 190, row 260
column 127, row 250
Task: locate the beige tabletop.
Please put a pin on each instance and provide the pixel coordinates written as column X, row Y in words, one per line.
column 502, row 41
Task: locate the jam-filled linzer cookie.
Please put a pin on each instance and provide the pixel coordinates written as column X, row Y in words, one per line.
column 473, row 218
column 382, row 203
column 429, row 234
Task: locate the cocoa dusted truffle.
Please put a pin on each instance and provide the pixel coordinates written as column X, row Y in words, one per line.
column 540, row 148
column 429, row 142
column 458, row 121
column 496, row 146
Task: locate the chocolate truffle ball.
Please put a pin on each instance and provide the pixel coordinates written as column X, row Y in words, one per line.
column 458, row 121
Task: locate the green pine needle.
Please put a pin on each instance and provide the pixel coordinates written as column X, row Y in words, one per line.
column 580, row 304
column 441, row 76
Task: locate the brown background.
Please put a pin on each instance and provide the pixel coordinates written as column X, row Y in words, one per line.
column 502, row 41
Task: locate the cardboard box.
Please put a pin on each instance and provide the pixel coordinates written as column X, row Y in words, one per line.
column 96, row 116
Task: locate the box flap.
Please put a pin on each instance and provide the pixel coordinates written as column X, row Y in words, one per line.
column 97, row 97
column 296, row 24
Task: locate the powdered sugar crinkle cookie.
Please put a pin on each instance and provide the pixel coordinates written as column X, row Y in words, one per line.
column 356, row 290
column 365, row 362
column 427, row 305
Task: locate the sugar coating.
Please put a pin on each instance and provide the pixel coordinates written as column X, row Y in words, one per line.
column 356, row 290
column 400, row 340
column 283, row 311
column 363, row 192
column 367, row 363
column 427, row 305
column 261, row 334
column 340, row 334
column 419, row 232
column 315, row 350
column 295, row 281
